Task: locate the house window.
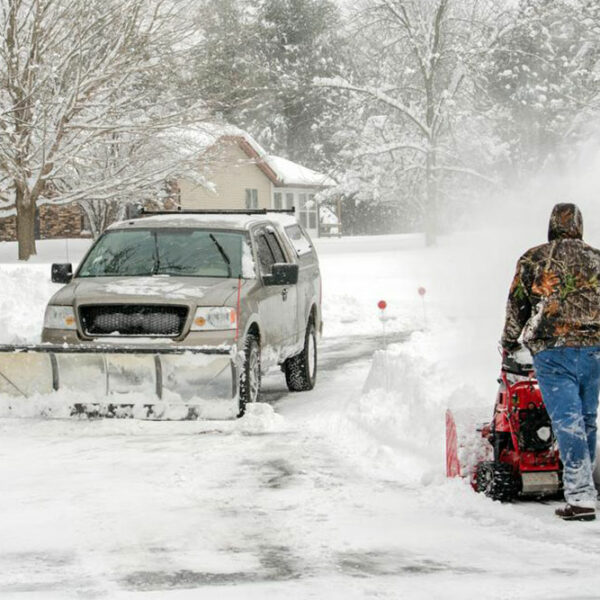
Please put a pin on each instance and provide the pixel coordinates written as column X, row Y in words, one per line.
column 277, row 201
column 307, row 210
column 303, row 213
column 251, row 198
column 289, row 200
column 312, row 212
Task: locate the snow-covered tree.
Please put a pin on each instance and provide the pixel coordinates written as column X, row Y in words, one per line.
column 413, row 86
column 542, row 78
column 300, row 40
column 226, row 69
column 74, row 84
column 255, row 65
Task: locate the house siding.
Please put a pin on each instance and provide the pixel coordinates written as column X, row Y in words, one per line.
column 232, row 172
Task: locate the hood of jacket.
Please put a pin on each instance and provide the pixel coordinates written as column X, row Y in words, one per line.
column 566, row 222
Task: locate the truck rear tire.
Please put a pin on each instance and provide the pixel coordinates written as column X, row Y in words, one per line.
column 250, row 377
column 301, row 370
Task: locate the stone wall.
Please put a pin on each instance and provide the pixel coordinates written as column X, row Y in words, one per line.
column 67, row 220
column 8, row 229
column 54, row 222
column 60, row 221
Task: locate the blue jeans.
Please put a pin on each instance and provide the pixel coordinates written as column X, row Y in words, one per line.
column 569, row 379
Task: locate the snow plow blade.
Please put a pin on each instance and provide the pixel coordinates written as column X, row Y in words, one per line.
column 118, row 381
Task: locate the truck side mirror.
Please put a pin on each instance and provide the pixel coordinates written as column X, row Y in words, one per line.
column 62, row 272
column 283, row 274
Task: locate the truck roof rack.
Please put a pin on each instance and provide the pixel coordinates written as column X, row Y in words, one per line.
column 218, row 211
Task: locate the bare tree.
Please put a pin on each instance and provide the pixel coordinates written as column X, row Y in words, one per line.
column 76, row 76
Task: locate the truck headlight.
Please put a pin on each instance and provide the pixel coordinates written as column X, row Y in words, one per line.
column 60, row 317
column 212, row 318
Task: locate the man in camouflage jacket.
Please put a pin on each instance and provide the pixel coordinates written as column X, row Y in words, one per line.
column 554, row 304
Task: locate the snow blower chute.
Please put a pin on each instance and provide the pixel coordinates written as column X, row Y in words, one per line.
column 515, row 454
column 120, row 381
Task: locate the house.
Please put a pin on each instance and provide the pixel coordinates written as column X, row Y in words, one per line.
column 238, row 173
column 234, row 172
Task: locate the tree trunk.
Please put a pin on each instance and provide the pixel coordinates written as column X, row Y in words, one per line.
column 25, row 225
column 431, row 208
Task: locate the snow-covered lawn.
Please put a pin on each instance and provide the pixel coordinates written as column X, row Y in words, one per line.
column 335, row 493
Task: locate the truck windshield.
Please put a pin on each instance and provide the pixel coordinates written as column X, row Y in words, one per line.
column 180, row 252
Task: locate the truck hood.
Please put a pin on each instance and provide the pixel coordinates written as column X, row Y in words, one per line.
column 161, row 289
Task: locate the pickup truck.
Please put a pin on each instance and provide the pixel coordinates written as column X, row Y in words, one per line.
column 247, row 280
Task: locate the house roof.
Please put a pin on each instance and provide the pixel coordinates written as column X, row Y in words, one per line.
column 294, row 175
column 281, row 171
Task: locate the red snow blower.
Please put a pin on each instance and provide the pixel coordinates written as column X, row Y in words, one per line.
column 516, row 453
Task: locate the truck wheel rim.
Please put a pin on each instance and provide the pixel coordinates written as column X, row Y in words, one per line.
column 254, row 375
column 312, row 355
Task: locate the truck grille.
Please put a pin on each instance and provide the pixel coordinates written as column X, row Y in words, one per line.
column 133, row 319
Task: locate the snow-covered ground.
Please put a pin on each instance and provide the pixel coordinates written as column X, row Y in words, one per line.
column 335, row 493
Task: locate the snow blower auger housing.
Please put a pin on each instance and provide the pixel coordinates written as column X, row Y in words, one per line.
column 519, row 456
column 161, row 382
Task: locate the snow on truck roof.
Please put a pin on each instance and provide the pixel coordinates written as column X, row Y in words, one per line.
column 217, row 221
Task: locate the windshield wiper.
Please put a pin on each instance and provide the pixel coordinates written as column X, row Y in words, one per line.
column 223, row 253
column 156, row 267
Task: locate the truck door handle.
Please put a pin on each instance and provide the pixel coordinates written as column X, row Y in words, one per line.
column 284, row 294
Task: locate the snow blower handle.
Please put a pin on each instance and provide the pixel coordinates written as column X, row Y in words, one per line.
column 516, row 359
column 508, row 349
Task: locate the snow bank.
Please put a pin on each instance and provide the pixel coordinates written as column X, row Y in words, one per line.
column 25, row 292
column 398, row 420
column 25, row 288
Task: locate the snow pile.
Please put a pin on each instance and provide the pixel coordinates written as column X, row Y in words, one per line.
column 260, row 418
column 394, row 428
column 403, row 408
column 400, row 409
column 25, row 292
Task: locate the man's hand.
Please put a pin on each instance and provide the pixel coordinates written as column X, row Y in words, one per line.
column 509, row 348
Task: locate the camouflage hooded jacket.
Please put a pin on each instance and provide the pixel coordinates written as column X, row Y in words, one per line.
column 554, row 298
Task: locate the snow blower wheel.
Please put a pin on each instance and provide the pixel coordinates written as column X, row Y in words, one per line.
column 496, row 480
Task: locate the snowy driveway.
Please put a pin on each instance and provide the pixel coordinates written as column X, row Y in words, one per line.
column 274, row 504
column 97, row 507
column 334, row 493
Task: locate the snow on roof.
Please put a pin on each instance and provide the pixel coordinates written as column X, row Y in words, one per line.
column 291, row 173
column 205, row 135
column 286, row 172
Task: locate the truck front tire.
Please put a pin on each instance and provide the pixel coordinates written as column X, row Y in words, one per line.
column 250, row 377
